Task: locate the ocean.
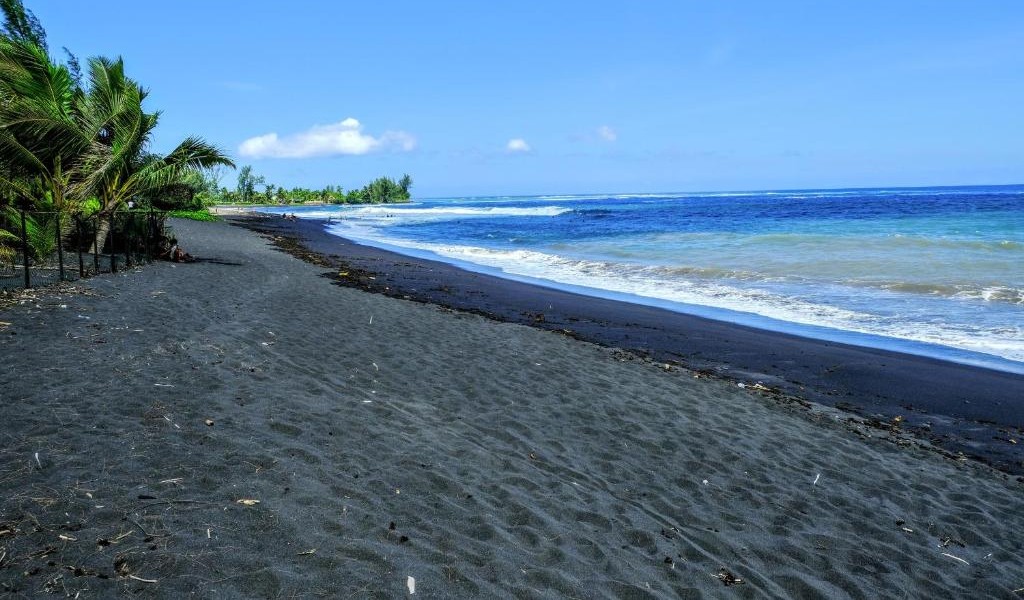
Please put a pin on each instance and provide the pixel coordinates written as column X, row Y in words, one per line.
column 931, row 271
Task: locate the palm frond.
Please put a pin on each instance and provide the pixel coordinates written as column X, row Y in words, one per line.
column 9, row 243
column 191, row 156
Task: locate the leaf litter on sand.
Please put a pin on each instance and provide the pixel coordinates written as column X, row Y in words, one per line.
column 727, row 578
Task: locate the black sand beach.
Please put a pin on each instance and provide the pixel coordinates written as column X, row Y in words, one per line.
column 242, row 427
column 965, row 410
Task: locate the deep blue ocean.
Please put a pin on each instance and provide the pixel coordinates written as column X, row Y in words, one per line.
column 934, row 271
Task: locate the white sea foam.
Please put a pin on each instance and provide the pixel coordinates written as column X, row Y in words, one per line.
column 674, row 287
column 454, row 211
column 411, row 212
column 682, row 287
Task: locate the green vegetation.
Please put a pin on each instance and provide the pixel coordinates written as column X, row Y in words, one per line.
column 40, row 230
column 382, row 190
column 202, row 214
column 74, row 145
column 254, row 189
column 78, row 148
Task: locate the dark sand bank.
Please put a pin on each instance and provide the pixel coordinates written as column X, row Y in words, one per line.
column 388, row 439
column 960, row 408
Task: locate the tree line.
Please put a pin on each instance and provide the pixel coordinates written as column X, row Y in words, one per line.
column 255, row 189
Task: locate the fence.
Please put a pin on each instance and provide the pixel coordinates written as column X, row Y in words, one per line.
column 44, row 247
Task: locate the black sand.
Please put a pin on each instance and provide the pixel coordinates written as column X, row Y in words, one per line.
column 963, row 409
column 386, row 439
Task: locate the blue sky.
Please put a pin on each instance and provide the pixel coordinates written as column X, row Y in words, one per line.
column 488, row 98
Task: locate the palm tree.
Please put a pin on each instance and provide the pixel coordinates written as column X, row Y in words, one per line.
column 41, row 133
column 117, row 166
column 61, row 145
column 79, row 145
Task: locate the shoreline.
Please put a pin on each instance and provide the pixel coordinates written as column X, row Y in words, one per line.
column 958, row 407
column 752, row 320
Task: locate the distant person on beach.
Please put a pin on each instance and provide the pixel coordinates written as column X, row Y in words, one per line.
column 170, row 250
column 179, row 255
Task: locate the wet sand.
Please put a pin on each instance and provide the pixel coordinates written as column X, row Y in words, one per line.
column 387, row 439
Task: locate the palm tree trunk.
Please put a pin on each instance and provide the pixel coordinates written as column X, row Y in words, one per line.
column 103, row 223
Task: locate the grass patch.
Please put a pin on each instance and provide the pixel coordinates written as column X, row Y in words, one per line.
column 196, row 215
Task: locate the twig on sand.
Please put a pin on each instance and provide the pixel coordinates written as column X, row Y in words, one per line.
column 142, row 580
column 158, row 503
column 103, row 542
column 309, row 552
column 956, row 558
column 38, row 462
column 143, row 530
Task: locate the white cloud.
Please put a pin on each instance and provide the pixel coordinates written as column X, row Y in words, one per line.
column 607, row 134
column 346, row 137
column 517, row 145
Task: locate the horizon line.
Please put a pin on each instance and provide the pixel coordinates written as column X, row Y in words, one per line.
column 733, row 191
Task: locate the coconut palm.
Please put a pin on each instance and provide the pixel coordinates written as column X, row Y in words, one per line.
column 77, row 145
column 41, row 130
column 117, row 165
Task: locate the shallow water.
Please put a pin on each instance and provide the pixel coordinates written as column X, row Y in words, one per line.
column 938, row 271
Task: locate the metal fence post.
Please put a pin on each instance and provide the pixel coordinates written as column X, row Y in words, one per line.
column 81, row 238
column 149, row 235
column 60, row 248
column 110, row 238
column 24, row 248
column 128, row 240
column 96, row 245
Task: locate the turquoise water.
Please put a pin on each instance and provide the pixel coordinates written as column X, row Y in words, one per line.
column 936, row 271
